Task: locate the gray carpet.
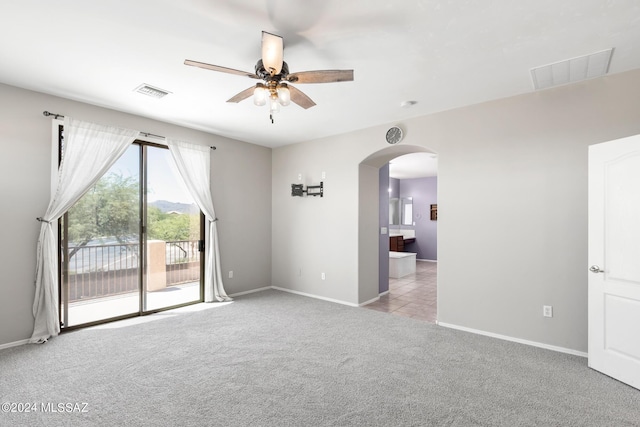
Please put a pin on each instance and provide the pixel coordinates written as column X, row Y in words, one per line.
column 276, row 359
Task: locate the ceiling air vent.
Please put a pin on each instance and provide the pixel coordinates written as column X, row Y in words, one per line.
column 151, row 91
column 572, row 70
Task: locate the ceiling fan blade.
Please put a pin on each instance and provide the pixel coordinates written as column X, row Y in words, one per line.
column 219, row 68
column 321, row 76
column 272, row 53
column 242, row 95
column 300, row 98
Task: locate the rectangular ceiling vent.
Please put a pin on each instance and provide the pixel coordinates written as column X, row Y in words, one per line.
column 149, row 90
column 572, row 70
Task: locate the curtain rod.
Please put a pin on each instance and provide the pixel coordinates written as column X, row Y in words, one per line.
column 145, row 134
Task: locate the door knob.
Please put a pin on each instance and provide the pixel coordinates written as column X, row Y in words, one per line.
column 595, row 269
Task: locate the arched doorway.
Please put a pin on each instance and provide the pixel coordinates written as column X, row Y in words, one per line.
column 373, row 241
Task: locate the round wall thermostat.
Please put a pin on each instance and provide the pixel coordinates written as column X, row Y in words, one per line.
column 394, row 135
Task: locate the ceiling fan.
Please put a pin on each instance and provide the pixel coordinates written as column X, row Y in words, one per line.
column 274, row 73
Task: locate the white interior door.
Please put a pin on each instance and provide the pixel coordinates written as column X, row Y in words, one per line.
column 614, row 259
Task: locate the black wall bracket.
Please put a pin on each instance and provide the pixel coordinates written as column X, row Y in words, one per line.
column 312, row 190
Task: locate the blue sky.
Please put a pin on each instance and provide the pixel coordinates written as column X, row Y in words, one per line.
column 165, row 182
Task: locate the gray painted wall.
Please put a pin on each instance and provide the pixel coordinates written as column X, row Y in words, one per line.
column 312, row 235
column 531, row 150
column 502, row 254
column 424, row 192
column 383, row 215
column 368, row 220
column 240, row 178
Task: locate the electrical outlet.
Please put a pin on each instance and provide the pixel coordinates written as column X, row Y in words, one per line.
column 230, row 274
column 324, row 175
column 299, row 272
column 547, row 311
column 299, row 177
column 322, row 275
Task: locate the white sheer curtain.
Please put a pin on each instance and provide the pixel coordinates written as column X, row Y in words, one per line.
column 89, row 151
column 194, row 165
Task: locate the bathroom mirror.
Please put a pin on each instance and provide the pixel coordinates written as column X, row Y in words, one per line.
column 394, row 211
column 407, row 211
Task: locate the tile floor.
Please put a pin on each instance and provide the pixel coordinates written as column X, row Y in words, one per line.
column 413, row 295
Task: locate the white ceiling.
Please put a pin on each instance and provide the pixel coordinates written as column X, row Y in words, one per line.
column 442, row 54
column 415, row 165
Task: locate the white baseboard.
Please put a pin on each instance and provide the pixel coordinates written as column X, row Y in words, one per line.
column 427, row 260
column 304, row 294
column 512, row 339
column 13, row 344
column 371, row 300
column 266, row 288
column 237, row 294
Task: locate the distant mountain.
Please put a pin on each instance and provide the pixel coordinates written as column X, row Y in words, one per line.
column 166, row 206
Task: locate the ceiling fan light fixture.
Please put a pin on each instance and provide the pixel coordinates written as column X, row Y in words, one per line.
column 260, row 95
column 284, row 95
column 274, row 106
column 272, row 53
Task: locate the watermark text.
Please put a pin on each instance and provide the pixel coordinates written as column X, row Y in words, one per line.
column 48, row 407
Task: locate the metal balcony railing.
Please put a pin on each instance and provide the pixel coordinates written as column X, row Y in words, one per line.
column 97, row 271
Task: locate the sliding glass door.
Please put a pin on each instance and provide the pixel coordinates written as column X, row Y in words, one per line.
column 132, row 244
column 174, row 236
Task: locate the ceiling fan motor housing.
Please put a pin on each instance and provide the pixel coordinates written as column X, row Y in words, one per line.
column 265, row 75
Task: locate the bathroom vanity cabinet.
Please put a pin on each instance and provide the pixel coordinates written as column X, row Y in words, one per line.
column 396, row 243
